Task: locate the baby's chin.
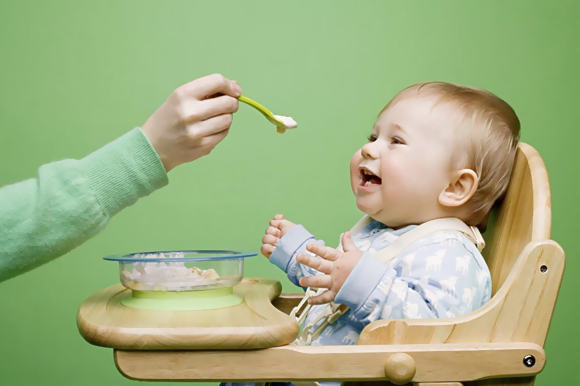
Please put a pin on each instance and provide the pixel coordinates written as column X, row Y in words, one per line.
column 376, row 212
column 368, row 208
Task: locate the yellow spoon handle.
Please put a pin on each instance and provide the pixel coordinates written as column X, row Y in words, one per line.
column 267, row 113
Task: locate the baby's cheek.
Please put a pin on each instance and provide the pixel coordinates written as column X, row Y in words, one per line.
column 399, row 182
column 433, row 176
column 412, row 170
column 393, row 172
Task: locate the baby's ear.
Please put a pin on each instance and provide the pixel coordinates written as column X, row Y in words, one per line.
column 460, row 189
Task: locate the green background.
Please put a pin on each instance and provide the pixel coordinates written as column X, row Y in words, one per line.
column 76, row 75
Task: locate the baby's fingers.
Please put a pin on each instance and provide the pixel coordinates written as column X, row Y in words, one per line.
column 270, row 239
column 274, row 231
column 323, row 251
column 318, row 281
column 323, row 298
column 277, row 223
column 267, row 250
column 316, row 263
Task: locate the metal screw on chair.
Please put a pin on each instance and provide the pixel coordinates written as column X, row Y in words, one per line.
column 544, row 268
column 529, row 360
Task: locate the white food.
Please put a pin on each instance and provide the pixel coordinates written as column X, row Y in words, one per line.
column 167, row 276
column 287, row 121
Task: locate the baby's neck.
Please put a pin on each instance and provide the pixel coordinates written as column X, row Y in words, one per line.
column 418, row 220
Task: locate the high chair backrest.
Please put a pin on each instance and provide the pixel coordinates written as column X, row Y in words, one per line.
column 524, row 215
column 527, row 269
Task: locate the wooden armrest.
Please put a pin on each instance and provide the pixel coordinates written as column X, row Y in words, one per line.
column 520, row 311
column 286, row 302
column 397, row 363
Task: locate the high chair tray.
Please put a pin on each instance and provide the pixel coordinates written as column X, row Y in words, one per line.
column 254, row 323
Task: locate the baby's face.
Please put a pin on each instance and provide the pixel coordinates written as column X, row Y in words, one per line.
column 399, row 174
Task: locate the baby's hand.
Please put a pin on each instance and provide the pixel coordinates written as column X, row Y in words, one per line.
column 277, row 229
column 336, row 266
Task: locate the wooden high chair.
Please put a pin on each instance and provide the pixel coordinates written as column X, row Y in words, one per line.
column 499, row 344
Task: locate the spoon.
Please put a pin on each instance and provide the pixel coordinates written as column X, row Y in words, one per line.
column 282, row 123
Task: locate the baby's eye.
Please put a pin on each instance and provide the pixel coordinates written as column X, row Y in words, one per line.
column 372, row 138
column 397, row 141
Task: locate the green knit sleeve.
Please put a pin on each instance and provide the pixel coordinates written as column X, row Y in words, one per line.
column 72, row 200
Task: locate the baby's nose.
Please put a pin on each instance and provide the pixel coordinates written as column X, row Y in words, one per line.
column 370, row 151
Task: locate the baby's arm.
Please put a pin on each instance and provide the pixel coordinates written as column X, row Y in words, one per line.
column 439, row 280
column 290, row 245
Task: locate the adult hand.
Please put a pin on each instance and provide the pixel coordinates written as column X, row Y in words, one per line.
column 193, row 120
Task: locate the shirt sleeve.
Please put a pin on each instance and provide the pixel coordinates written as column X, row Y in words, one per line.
column 72, row 200
column 438, row 280
column 290, row 245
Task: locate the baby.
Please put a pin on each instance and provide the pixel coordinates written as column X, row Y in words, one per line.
column 437, row 151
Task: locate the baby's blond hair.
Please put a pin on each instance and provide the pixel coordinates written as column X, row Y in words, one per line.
column 491, row 128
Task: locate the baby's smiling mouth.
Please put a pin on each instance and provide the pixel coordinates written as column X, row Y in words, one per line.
column 367, row 177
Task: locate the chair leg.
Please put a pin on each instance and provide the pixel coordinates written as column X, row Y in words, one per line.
column 371, row 383
column 520, row 381
column 440, row 384
column 386, row 383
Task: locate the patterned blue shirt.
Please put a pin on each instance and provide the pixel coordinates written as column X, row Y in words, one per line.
column 439, row 276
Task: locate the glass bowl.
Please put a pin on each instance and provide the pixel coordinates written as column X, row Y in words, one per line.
column 177, row 271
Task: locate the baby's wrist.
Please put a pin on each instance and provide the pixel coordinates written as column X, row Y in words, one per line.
column 289, row 245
